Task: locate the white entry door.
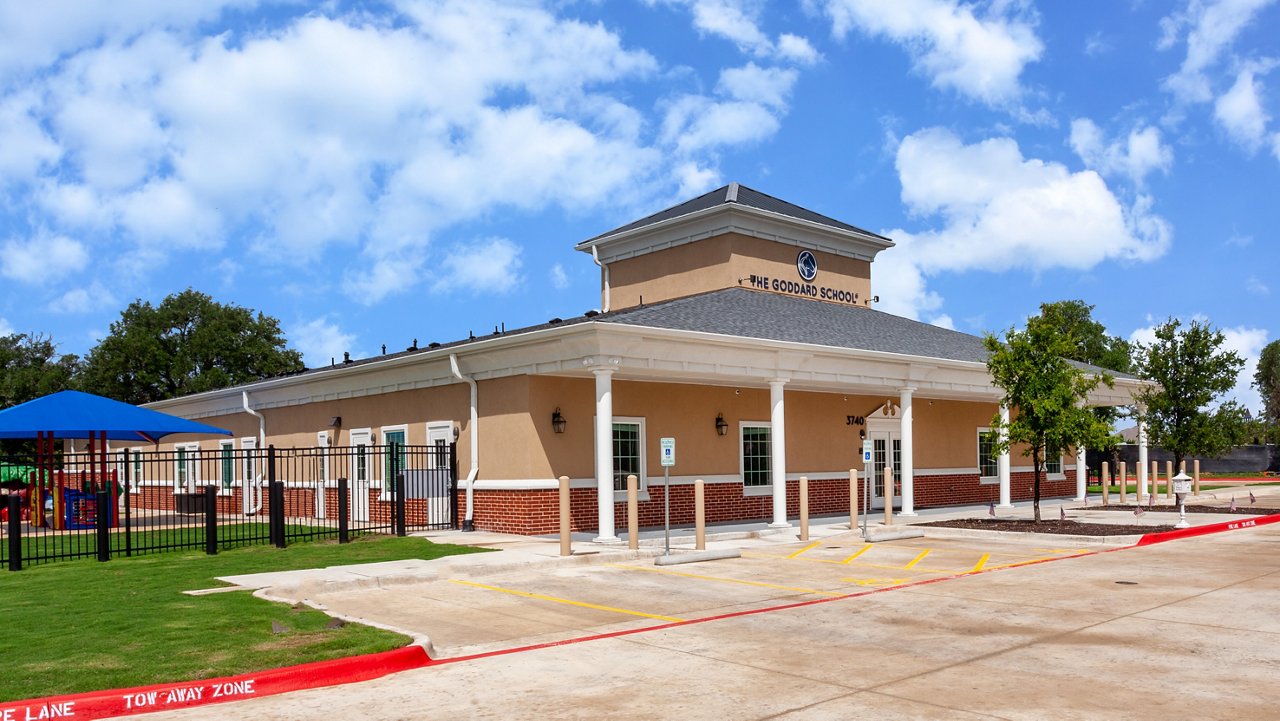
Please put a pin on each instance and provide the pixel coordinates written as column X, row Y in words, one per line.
column 361, row 474
column 886, row 451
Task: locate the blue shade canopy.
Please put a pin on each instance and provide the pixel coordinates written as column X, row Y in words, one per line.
column 72, row 414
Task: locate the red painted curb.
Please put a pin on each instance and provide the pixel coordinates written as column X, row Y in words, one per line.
column 166, row 696
column 1163, row 536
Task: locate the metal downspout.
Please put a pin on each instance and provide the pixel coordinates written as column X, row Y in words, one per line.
column 251, row 508
column 468, row 523
column 596, row 257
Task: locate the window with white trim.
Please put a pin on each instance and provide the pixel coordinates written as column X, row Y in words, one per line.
column 361, row 439
column 1053, row 464
column 757, row 453
column 186, row 462
column 988, row 459
column 226, row 464
column 249, row 446
column 628, row 452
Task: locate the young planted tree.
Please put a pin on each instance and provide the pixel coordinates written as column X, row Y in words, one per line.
column 187, row 344
column 1191, row 371
column 1045, row 394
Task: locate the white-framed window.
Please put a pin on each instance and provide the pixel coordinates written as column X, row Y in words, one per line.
column 226, row 466
column 628, row 452
column 186, row 467
column 322, row 441
column 988, row 459
column 756, row 453
column 1053, row 465
column 361, row 439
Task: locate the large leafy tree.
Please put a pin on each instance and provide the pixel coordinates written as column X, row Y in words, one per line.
column 1191, row 370
column 30, row 367
column 187, row 344
column 1045, row 393
column 1267, row 380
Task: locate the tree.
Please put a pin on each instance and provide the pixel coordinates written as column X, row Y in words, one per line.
column 30, row 367
column 1090, row 343
column 187, row 344
column 1190, row 370
column 1267, row 380
column 1045, row 394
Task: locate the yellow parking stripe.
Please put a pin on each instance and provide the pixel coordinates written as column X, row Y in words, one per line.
column 917, row 559
column 815, row 544
column 541, row 597
column 981, row 562
column 861, row 551
column 722, row 579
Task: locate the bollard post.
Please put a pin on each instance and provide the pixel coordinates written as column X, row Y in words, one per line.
column 1106, row 483
column 804, row 508
column 888, row 496
column 1168, row 480
column 1124, row 483
column 566, row 542
column 1155, row 476
column 633, row 512
column 699, row 515
column 1195, row 476
column 853, row 499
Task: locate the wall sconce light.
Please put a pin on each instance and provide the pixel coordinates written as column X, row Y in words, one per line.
column 557, row 421
column 862, row 434
column 722, row 426
column 335, row 421
column 457, row 431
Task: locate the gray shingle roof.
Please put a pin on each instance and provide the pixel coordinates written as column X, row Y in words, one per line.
column 734, row 193
column 756, row 314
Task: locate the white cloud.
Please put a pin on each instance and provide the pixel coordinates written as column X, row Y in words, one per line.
column 1211, row 27
column 25, row 147
column 89, row 299
column 738, row 21
column 980, row 55
column 751, row 100
column 1000, row 211
column 484, row 266
column 1246, row 342
column 695, row 180
column 320, row 341
column 769, row 87
column 6, row 328
column 1097, row 44
column 1240, row 111
column 559, row 280
column 43, row 259
column 1256, row 286
column 1239, row 240
column 1134, row 157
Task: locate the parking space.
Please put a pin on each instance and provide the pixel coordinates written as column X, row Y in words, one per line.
column 465, row 615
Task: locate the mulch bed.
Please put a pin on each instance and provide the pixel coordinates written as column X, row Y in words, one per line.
column 1241, row 509
column 1068, row 527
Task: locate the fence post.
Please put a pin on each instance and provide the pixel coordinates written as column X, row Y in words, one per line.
column 211, row 520
column 344, row 511
column 276, row 497
column 128, row 503
column 15, row 533
column 398, row 500
column 102, row 519
column 453, row 487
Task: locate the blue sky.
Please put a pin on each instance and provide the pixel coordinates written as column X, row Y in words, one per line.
column 371, row 173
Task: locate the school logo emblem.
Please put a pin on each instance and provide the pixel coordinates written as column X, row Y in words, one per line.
column 807, row 265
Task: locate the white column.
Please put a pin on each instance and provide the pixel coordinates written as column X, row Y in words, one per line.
column 1002, row 463
column 1142, row 458
column 906, row 465
column 778, row 463
column 604, row 454
column 1080, row 473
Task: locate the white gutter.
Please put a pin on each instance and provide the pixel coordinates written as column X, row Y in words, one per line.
column 468, row 523
column 595, row 255
column 250, row 507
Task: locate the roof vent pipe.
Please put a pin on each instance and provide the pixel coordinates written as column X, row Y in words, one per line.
column 596, row 257
column 468, row 524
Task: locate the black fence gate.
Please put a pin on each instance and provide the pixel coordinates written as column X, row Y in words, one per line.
column 72, row 505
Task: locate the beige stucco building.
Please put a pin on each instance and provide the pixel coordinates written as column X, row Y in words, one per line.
column 737, row 323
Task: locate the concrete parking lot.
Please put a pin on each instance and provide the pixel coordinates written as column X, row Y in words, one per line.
column 834, row 628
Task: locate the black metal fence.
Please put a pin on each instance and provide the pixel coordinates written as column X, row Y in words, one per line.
column 130, row 503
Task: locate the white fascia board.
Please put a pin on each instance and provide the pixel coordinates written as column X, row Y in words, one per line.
column 741, row 219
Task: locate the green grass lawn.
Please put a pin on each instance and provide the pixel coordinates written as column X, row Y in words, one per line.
column 48, row 544
column 82, row 625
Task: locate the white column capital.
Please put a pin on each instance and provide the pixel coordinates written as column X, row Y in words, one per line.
column 907, row 390
column 778, row 382
column 601, row 364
